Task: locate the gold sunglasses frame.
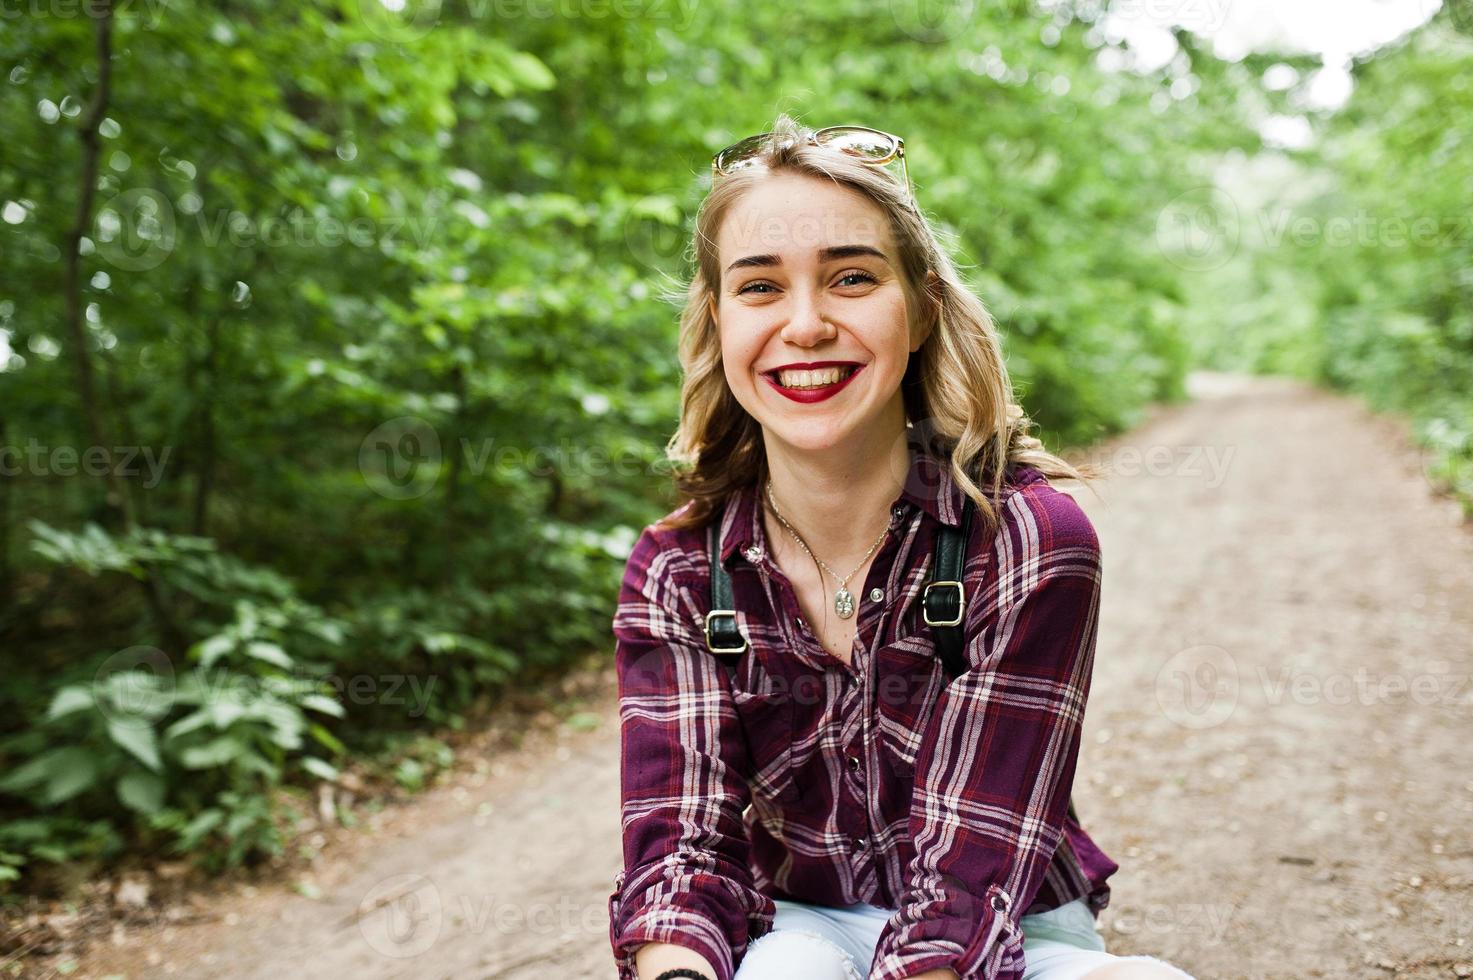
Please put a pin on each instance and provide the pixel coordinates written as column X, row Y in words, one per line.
column 721, row 165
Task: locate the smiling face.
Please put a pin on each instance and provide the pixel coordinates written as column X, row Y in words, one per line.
column 811, row 282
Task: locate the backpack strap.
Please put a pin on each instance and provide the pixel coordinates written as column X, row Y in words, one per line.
column 722, row 635
column 944, row 602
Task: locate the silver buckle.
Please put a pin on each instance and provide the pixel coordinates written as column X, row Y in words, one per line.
column 716, row 649
column 961, row 604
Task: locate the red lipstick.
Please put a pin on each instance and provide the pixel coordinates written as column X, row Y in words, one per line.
column 811, row 395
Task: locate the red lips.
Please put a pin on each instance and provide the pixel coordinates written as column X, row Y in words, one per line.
column 812, row 395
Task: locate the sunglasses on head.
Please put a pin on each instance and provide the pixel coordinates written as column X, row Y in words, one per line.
column 869, row 146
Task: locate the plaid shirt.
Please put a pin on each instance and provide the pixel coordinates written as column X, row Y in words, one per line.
column 800, row 777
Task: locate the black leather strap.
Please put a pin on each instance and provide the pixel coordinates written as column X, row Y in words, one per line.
column 723, row 638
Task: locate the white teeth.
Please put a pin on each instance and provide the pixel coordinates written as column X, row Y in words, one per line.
column 813, row 379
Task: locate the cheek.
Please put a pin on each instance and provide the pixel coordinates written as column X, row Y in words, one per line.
column 738, row 353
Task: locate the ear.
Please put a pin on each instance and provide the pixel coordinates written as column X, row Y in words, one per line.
column 932, row 312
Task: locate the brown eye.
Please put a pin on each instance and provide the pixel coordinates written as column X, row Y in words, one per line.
column 856, row 274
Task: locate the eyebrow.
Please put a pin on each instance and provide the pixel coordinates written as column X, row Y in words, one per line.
column 824, row 255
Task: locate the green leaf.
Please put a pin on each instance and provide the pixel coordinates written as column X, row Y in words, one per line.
column 72, row 771
column 69, row 700
column 212, row 649
column 327, row 738
column 199, row 828
column 324, row 704
column 320, row 768
column 270, row 653
column 142, row 791
column 138, row 739
column 213, row 754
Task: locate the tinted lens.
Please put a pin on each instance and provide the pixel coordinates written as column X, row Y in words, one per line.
column 737, row 154
column 859, row 142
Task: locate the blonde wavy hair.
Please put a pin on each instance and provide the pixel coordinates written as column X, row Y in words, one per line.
column 956, row 383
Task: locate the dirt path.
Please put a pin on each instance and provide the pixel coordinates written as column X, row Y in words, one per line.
column 1277, row 749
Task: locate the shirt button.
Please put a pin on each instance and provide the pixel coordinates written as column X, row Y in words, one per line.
column 753, row 554
column 859, row 843
column 875, row 595
column 801, row 623
column 854, row 763
column 1000, row 902
column 897, row 512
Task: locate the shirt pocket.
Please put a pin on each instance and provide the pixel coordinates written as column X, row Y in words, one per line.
column 767, row 723
column 908, row 681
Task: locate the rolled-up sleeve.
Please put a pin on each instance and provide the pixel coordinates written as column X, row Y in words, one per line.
column 996, row 764
column 685, row 878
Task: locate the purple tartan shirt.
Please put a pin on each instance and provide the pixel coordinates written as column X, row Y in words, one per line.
column 801, row 777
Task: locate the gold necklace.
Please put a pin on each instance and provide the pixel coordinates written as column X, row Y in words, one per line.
column 843, row 599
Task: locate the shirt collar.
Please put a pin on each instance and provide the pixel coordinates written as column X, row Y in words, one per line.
column 929, row 485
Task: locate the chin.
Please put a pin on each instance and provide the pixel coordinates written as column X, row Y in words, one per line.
column 809, row 438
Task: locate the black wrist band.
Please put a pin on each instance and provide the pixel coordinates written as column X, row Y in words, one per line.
column 683, row 971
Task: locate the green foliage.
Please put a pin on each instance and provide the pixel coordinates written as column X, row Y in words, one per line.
column 374, row 309
column 1365, row 280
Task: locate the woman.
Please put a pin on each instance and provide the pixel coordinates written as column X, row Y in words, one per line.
column 820, row 803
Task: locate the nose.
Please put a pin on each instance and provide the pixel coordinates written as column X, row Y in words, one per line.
column 807, row 327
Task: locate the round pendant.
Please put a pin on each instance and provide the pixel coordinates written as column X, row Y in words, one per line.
column 843, row 603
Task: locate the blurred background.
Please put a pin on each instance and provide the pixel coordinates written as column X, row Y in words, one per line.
column 335, row 373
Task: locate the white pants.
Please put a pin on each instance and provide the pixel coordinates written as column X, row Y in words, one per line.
column 815, row 942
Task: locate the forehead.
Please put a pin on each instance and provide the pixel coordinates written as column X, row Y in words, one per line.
column 793, row 217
